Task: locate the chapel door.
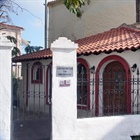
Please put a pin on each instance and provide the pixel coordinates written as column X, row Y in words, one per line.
column 114, row 89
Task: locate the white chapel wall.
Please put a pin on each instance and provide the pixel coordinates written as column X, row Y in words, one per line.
column 65, row 126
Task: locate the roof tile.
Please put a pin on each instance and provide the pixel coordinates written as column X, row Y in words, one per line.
column 117, row 39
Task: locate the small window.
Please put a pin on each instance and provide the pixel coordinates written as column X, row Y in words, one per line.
column 135, row 137
column 36, row 73
column 137, row 10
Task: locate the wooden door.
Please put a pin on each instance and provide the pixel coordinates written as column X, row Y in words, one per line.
column 114, row 89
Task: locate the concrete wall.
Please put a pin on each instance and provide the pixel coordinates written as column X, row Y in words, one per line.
column 99, row 16
column 108, row 128
column 64, row 88
column 5, row 89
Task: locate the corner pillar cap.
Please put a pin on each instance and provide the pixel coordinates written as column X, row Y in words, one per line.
column 5, row 43
column 63, row 43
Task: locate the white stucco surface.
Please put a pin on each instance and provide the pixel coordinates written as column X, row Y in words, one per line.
column 64, row 109
column 99, row 16
column 65, row 125
column 129, row 56
column 108, row 128
column 5, row 89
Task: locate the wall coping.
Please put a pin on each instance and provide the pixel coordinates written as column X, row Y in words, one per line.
column 63, row 43
column 5, row 43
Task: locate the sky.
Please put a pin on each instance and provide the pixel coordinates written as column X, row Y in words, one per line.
column 32, row 21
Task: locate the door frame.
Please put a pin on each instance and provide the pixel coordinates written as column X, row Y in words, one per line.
column 128, row 77
column 111, row 99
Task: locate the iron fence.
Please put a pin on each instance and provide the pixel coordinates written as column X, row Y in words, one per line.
column 30, row 98
column 98, row 94
column 102, row 95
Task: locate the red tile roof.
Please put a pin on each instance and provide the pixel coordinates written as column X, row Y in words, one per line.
column 43, row 54
column 117, row 39
column 10, row 26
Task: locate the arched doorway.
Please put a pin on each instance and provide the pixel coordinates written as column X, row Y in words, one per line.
column 114, row 89
column 106, row 103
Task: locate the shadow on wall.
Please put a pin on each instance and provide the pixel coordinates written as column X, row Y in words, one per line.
column 109, row 128
column 122, row 127
column 1, row 136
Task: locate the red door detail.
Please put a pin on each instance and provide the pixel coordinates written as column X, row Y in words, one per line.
column 114, row 89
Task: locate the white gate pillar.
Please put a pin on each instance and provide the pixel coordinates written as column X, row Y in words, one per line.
column 5, row 88
column 64, row 88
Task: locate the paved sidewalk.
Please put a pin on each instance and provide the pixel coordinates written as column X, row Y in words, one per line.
column 31, row 130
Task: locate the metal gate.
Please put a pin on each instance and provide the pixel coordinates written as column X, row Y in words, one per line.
column 31, row 103
column 107, row 93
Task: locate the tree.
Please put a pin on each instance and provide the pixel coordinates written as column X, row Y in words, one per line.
column 7, row 6
column 15, row 50
column 74, row 6
column 28, row 49
column 31, row 49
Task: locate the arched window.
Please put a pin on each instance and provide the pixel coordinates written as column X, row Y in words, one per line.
column 83, row 85
column 36, row 73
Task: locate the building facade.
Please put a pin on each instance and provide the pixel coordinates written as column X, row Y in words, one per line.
column 98, row 16
column 108, row 62
column 14, row 31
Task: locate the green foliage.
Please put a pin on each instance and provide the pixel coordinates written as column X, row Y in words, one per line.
column 15, row 52
column 135, row 137
column 30, row 49
column 74, row 6
column 12, row 39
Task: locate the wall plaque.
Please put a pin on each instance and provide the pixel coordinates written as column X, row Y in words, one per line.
column 64, row 71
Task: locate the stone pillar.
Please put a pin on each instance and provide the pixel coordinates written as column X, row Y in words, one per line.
column 5, row 88
column 64, row 88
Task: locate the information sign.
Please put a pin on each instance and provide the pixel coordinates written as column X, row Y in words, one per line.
column 64, row 71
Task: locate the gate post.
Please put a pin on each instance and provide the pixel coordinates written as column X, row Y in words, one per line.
column 5, row 88
column 64, row 88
